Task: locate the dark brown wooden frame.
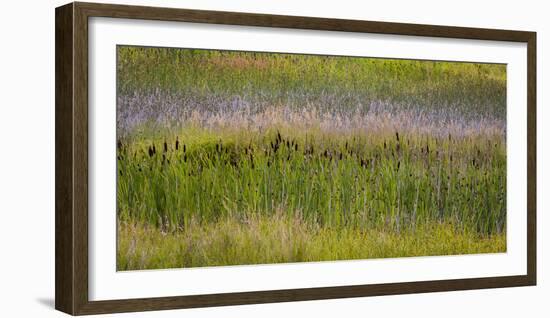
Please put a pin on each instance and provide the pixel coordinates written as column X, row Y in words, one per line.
column 71, row 158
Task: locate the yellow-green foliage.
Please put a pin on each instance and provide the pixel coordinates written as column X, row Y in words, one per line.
column 278, row 239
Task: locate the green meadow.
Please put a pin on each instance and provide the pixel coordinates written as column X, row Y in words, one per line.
column 234, row 158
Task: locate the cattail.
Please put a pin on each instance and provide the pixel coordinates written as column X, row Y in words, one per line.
column 398, row 165
column 151, row 153
column 279, row 136
column 340, row 156
column 397, row 136
column 296, row 147
column 384, row 144
column 287, row 144
column 177, row 143
column 165, row 146
column 184, row 148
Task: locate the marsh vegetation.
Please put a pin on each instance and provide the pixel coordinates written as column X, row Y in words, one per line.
column 229, row 158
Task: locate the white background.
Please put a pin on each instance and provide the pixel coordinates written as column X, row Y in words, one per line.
column 106, row 283
column 27, row 159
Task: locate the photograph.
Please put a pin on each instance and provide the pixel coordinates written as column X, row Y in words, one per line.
column 240, row 158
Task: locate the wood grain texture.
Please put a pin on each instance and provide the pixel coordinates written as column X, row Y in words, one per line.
column 297, row 22
column 64, row 235
column 72, row 158
column 80, row 156
column 532, row 158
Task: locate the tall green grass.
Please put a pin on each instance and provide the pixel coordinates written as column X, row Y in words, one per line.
column 335, row 181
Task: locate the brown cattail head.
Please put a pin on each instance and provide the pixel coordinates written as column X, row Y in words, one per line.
column 177, row 143
column 165, row 146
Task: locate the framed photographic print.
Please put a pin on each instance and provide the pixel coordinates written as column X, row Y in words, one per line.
column 217, row 158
